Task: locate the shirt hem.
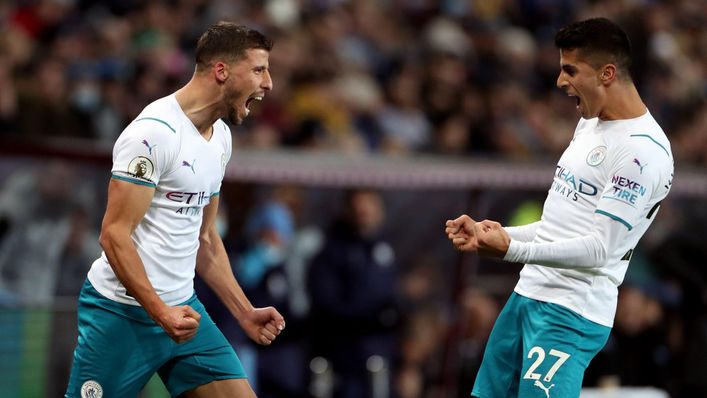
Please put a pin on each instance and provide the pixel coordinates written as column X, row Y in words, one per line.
column 171, row 298
column 601, row 321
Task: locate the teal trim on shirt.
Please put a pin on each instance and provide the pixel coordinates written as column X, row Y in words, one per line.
column 619, row 200
column 134, row 181
column 615, row 218
column 652, row 139
column 215, row 194
column 157, row 120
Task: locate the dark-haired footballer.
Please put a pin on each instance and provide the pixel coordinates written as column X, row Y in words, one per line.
column 606, row 190
column 137, row 312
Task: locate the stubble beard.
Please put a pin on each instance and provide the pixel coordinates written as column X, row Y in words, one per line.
column 233, row 116
column 230, row 99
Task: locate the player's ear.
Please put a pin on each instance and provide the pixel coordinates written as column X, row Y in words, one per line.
column 220, row 71
column 608, row 73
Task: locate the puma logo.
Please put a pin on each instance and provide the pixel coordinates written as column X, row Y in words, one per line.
column 149, row 147
column 190, row 165
column 547, row 390
column 641, row 166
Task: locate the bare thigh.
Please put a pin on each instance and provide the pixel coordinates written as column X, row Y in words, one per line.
column 229, row 388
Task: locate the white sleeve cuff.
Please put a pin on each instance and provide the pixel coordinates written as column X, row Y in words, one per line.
column 523, row 233
column 517, row 251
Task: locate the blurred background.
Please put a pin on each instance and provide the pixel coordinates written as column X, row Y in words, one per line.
column 386, row 119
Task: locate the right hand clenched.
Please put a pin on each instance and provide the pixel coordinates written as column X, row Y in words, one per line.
column 461, row 232
column 180, row 322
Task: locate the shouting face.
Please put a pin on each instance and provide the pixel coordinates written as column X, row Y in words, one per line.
column 249, row 80
column 580, row 80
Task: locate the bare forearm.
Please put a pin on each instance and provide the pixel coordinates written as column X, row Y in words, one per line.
column 214, row 268
column 128, row 267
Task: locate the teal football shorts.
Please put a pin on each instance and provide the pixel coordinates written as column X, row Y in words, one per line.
column 120, row 347
column 537, row 350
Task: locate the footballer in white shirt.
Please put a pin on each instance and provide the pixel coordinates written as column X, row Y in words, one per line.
column 606, row 191
column 138, row 313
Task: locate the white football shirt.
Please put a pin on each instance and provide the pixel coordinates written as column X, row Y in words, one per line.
column 607, row 188
column 162, row 149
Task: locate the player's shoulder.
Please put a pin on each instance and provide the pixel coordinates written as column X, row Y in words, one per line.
column 643, row 136
column 642, row 142
column 159, row 119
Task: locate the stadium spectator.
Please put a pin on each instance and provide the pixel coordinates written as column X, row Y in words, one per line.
column 457, row 48
column 352, row 284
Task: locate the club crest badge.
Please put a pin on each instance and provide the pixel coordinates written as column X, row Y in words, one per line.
column 91, row 389
column 596, row 156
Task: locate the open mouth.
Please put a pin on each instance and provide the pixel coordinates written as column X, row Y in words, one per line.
column 576, row 98
column 251, row 99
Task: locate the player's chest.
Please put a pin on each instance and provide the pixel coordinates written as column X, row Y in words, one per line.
column 582, row 167
column 197, row 167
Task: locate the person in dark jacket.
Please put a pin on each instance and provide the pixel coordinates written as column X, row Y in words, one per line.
column 353, row 298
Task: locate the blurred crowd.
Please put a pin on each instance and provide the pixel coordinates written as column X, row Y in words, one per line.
column 378, row 305
column 453, row 77
column 366, row 280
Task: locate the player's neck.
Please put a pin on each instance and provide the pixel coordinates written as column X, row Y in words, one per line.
column 622, row 102
column 200, row 106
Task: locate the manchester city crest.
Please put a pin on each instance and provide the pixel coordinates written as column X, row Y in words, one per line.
column 91, row 389
column 596, row 156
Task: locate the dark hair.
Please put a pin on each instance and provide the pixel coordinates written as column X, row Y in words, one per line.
column 599, row 42
column 230, row 41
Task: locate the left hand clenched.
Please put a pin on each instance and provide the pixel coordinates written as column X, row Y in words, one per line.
column 492, row 239
column 263, row 325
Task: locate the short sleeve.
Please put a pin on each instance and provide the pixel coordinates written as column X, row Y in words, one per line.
column 143, row 152
column 632, row 181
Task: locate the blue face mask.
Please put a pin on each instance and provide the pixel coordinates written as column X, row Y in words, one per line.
column 255, row 263
column 86, row 97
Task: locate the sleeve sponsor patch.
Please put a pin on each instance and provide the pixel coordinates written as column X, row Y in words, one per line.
column 625, row 190
column 141, row 167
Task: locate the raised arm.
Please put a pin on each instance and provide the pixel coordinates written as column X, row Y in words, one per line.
column 127, row 205
column 460, row 232
column 262, row 325
column 588, row 251
column 489, row 238
column 632, row 194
